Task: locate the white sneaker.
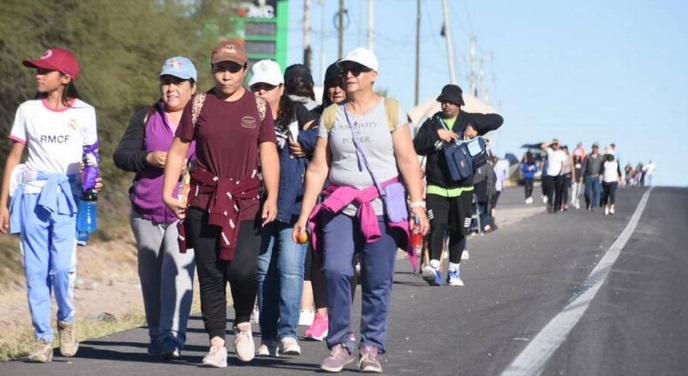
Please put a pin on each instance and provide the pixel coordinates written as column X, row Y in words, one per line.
column 306, row 317
column 268, row 348
column 465, row 255
column 289, row 346
column 216, row 358
column 244, row 347
column 611, row 211
column 606, row 210
column 529, row 200
column 453, row 277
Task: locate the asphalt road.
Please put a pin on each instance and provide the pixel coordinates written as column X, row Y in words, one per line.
column 524, row 284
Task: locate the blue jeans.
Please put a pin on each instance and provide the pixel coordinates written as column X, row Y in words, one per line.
column 280, row 281
column 593, row 190
column 341, row 237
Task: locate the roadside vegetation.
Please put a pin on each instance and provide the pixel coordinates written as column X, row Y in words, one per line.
column 121, row 46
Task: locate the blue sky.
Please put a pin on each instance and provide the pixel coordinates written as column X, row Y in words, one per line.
column 605, row 71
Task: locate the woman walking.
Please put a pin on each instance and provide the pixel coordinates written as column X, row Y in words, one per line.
column 236, row 157
column 166, row 274
column 60, row 131
column 362, row 141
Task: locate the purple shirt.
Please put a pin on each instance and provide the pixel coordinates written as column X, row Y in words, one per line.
column 146, row 193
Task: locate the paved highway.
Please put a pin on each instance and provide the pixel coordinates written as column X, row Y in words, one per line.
column 573, row 293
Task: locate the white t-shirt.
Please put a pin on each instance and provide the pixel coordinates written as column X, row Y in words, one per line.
column 555, row 159
column 55, row 139
column 501, row 169
column 376, row 141
column 611, row 173
column 649, row 168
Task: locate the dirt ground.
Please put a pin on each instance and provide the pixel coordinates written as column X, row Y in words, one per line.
column 107, row 282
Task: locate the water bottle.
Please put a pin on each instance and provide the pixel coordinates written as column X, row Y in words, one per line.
column 87, row 217
column 416, row 237
column 81, row 238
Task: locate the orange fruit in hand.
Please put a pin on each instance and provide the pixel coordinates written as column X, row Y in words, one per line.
column 303, row 238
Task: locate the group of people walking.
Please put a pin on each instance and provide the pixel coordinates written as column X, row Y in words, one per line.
column 566, row 175
column 278, row 189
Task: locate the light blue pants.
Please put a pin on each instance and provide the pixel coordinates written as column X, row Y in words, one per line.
column 166, row 277
column 48, row 244
column 280, row 281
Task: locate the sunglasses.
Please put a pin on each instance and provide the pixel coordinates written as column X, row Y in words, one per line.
column 228, row 67
column 355, row 69
column 262, row 86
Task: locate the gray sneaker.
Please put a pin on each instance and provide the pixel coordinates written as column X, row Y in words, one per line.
column 244, row 347
column 216, row 358
column 69, row 344
column 289, row 346
column 339, row 357
column 369, row 360
column 42, row 352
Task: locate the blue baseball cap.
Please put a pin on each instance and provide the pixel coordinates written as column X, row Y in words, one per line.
column 180, row 67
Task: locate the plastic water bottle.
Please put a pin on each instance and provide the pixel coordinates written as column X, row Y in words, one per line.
column 416, row 237
column 87, row 217
column 81, row 238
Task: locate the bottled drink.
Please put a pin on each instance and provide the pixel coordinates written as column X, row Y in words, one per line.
column 87, row 217
column 81, row 238
column 416, row 237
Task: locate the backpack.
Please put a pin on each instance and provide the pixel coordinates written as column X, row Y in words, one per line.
column 391, row 108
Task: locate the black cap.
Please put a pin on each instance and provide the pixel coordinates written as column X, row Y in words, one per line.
column 332, row 74
column 452, row 94
column 298, row 80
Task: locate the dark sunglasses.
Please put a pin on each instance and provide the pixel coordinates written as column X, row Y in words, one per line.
column 228, row 67
column 355, row 69
column 262, row 86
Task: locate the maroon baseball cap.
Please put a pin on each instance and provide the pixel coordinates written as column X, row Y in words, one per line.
column 229, row 50
column 57, row 59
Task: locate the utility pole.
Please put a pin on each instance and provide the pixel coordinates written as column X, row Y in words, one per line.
column 322, row 39
column 307, row 50
column 417, row 53
column 476, row 71
column 371, row 21
column 340, row 28
column 450, row 47
column 473, row 71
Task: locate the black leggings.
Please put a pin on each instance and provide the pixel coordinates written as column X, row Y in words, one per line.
column 214, row 273
column 609, row 193
column 439, row 211
column 528, row 186
column 565, row 185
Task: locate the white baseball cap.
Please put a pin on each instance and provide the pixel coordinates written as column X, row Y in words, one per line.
column 266, row 71
column 361, row 56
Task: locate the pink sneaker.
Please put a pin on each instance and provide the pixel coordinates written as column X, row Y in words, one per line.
column 319, row 328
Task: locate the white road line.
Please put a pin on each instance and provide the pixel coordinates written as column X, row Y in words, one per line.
column 532, row 360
